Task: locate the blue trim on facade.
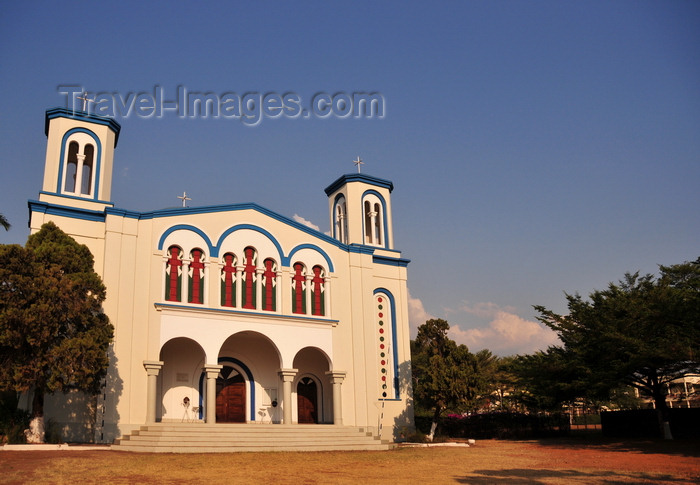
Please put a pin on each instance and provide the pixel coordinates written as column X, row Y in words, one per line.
column 288, row 259
column 385, row 229
column 73, row 197
column 64, row 211
column 401, row 262
column 395, row 353
column 358, row 177
column 98, row 163
column 82, row 116
column 251, row 382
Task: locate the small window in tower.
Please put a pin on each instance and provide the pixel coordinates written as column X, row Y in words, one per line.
column 71, row 167
column 377, row 224
column 368, row 223
column 248, row 287
column 86, row 179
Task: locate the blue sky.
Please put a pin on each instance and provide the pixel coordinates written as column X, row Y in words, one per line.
column 535, row 147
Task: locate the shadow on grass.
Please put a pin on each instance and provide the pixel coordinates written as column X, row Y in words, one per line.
column 529, row 476
column 689, row 448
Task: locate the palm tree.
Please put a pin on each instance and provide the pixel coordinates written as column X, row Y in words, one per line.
column 5, row 223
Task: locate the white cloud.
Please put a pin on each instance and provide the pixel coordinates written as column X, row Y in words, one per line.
column 416, row 314
column 505, row 333
column 301, row 220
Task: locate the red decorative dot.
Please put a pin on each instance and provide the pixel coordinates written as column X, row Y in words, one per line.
column 379, row 299
column 381, row 330
column 381, row 314
column 383, row 378
column 383, row 362
column 381, row 346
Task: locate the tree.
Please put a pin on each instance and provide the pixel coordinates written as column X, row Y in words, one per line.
column 5, row 223
column 445, row 375
column 53, row 333
column 642, row 332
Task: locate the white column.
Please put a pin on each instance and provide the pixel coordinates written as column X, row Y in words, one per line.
column 184, row 283
column 258, row 288
column 309, row 287
column 327, row 294
column 239, row 289
column 212, row 373
column 153, row 368
column 336, row 378
column 278, row 291
column 287, row 376
column 373, row 227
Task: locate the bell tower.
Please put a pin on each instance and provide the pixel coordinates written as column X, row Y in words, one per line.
column 360, row 210
column 79, row 158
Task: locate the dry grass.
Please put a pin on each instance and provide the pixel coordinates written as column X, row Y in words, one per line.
column 488, row 462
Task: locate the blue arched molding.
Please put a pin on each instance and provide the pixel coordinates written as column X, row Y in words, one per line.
column 395, row 353
column 384, row 215
column 215, row 251
column 187, row 227
column 98, row 161
column 335, row 204
column 288, row 260
column 251, row 381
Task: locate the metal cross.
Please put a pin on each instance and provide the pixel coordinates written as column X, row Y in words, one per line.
column 358, row 162
column 184, row 199
column 86, row 100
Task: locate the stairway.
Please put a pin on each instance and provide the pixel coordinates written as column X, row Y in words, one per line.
column 227, row 438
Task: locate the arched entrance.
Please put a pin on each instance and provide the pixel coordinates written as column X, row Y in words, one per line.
column 307, row 401
column 230, row 396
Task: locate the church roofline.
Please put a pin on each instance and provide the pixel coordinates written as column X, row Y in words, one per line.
column 82, row 116
column 358, row 177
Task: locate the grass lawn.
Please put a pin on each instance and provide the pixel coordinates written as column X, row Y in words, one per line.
column 589, row 461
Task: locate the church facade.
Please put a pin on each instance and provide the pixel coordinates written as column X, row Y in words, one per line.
column 232, row 313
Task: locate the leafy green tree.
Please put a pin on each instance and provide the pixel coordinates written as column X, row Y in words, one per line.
column 53, row 333
column 445, row 375
column 643, row 332
column 5, row 223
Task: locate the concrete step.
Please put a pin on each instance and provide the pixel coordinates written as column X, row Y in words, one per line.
column 202, row 438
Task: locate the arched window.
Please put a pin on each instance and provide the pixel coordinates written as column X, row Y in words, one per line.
column 173, row 274
column 341, row 222
column 86, row 177
column 368, row 223
column 269, row 284
column 228, row 280
column 374, row 219
column 299, row 289
column 195, row 293
column 318, row 288
column 71, row 167
column 248, row 293
column 79, row 165
column 377, row 224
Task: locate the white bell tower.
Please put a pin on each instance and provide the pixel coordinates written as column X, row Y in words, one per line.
column 360, row 210
column 79, row 158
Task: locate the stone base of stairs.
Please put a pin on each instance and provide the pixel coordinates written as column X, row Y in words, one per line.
column 228, row 438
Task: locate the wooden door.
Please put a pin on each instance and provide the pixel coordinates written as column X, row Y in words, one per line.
column 230, row 397
column 307, row 401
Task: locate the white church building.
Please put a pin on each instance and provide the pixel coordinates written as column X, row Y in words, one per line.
column 232, row 313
